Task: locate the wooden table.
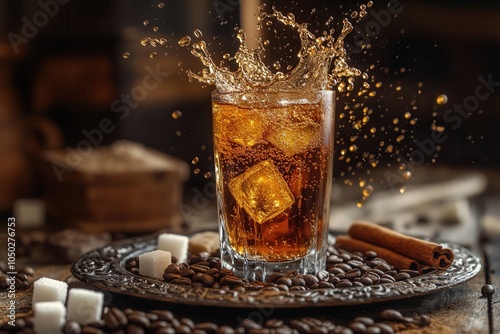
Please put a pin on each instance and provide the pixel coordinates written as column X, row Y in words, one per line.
column 461, row 309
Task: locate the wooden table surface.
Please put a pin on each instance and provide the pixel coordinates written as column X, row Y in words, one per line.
column 460, row 309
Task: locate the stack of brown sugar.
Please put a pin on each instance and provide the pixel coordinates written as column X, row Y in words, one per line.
column 402, row 251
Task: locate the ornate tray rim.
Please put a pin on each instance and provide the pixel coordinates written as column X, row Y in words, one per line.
column 104, row 268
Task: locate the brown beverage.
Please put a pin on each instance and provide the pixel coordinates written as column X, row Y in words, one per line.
column 273, row 168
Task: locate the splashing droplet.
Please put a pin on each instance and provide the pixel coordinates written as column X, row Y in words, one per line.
column 176, row 114
column 184, row 41
column 153, row 54
column 145, row 41
column 441, row 99
column 197, row 33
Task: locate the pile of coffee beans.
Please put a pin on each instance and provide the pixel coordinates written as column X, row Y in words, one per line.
column 115, row 320
column 343, row 270
column 22, row 278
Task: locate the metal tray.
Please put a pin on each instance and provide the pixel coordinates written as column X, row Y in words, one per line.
column 104, row 268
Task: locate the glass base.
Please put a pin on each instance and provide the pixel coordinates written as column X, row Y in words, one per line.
column 259, row 269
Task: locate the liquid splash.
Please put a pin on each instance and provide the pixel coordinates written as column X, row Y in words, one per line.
column 322, row 62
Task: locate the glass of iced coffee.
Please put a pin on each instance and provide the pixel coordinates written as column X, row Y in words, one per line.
column 273, row 163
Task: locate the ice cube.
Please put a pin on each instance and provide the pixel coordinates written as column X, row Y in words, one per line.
column 49, row 317
column 84, row 306
column 242, row 126
column 295, row 138
column 154, row 263
column 262, row 191
column 176, row 244
column 47, row 290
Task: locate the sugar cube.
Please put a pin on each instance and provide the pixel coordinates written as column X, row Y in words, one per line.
column 47, row 290
column 204, row 242
column 84, row 306
column 176, row 244
column 154, row 263
column 49, row 317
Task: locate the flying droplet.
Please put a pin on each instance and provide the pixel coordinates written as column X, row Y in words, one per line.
column 176, row 114
column 197, row 33
column 155, row 29
column 126, row 55
column 207, row 175
column 197, row 171
column 145, row 22
column 441, row 99
column 161, row 5
column 152, row 55
column 145, row 41
column 184, row 41
column 195, row 160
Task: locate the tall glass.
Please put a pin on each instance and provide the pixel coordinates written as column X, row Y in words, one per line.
column 273, row 164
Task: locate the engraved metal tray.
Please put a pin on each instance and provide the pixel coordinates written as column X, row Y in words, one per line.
column 104, row 268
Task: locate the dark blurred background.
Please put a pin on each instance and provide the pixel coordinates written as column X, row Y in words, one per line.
column 63, row 70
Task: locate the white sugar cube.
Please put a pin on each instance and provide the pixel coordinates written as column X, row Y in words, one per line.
column 84, row 306
column 48, row 290
column 176, row 244
column 49, row 317
column 204, row 242
column 154, row 263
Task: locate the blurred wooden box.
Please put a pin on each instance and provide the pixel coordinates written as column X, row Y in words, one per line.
column 124, row 187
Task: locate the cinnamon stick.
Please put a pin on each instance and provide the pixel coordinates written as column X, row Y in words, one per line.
column 425, row 252
column 397, row 260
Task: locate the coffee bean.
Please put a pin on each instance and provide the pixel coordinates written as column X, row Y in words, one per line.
column 164, row 315
column 198, row 268
column 181, row 281
column 187, row 273
column 352, row 274
column 487, row 290
column 391, row 315
column 357, row 327
column 249, row 324
column 384, row 328
column 114, row 319
column 310, row 279
column 171, row 276
column 364, row 320
column 373, row 330
column 365, row 280
column 273, row 323
column 285, row 281
column 322, row 275
column 139, row 319
column 157, row 324
column 72, row 327
column 225, row 330
column 371, row 255
column 172, row 269
column 298, row 281
column 208, row 327
column 343, row 284
column 4, row 282
column 325, row 285
column 412, row 273
column 401, row 276
column 300, row 326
